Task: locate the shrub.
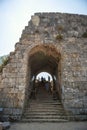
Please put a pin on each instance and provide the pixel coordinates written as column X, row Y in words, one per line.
column 59, row 37
column 4, row 63
column 1, row 68
column 84, row 35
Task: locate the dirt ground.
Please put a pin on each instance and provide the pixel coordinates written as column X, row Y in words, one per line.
column 49, row 126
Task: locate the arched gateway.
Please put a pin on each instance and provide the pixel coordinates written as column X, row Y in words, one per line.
column 43, row 58
column 55, row 43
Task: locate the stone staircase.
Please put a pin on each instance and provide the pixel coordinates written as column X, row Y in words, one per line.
column 44, row 109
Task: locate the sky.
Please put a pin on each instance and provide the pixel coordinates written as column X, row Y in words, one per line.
column 44, row 75
column 15, row 14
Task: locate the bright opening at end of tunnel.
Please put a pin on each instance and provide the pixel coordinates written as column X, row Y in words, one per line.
column 45, row 75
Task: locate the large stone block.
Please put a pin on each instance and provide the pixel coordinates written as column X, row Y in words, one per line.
column 35, row 20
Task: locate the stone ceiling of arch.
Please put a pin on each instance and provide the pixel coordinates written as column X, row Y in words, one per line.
column 43, row 58
column 41, row 62
column 47, row 50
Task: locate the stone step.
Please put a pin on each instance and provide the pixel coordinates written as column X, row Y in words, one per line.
column 43, row 110
column 45, row 117
column 44, row 120
column 43, row 101
column 43, row 113
column 45, row 106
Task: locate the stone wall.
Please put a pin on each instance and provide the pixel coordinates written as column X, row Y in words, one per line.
column 66, row 33
column 75, row 77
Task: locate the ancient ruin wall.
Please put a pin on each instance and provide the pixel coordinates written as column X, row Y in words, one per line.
column 68, row 34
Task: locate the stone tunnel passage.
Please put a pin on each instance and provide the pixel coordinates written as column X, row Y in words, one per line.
column 44, row 59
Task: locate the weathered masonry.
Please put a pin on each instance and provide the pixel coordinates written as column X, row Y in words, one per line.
column 55, row 43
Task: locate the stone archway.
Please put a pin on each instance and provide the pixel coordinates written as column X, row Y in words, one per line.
column 43, row 58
